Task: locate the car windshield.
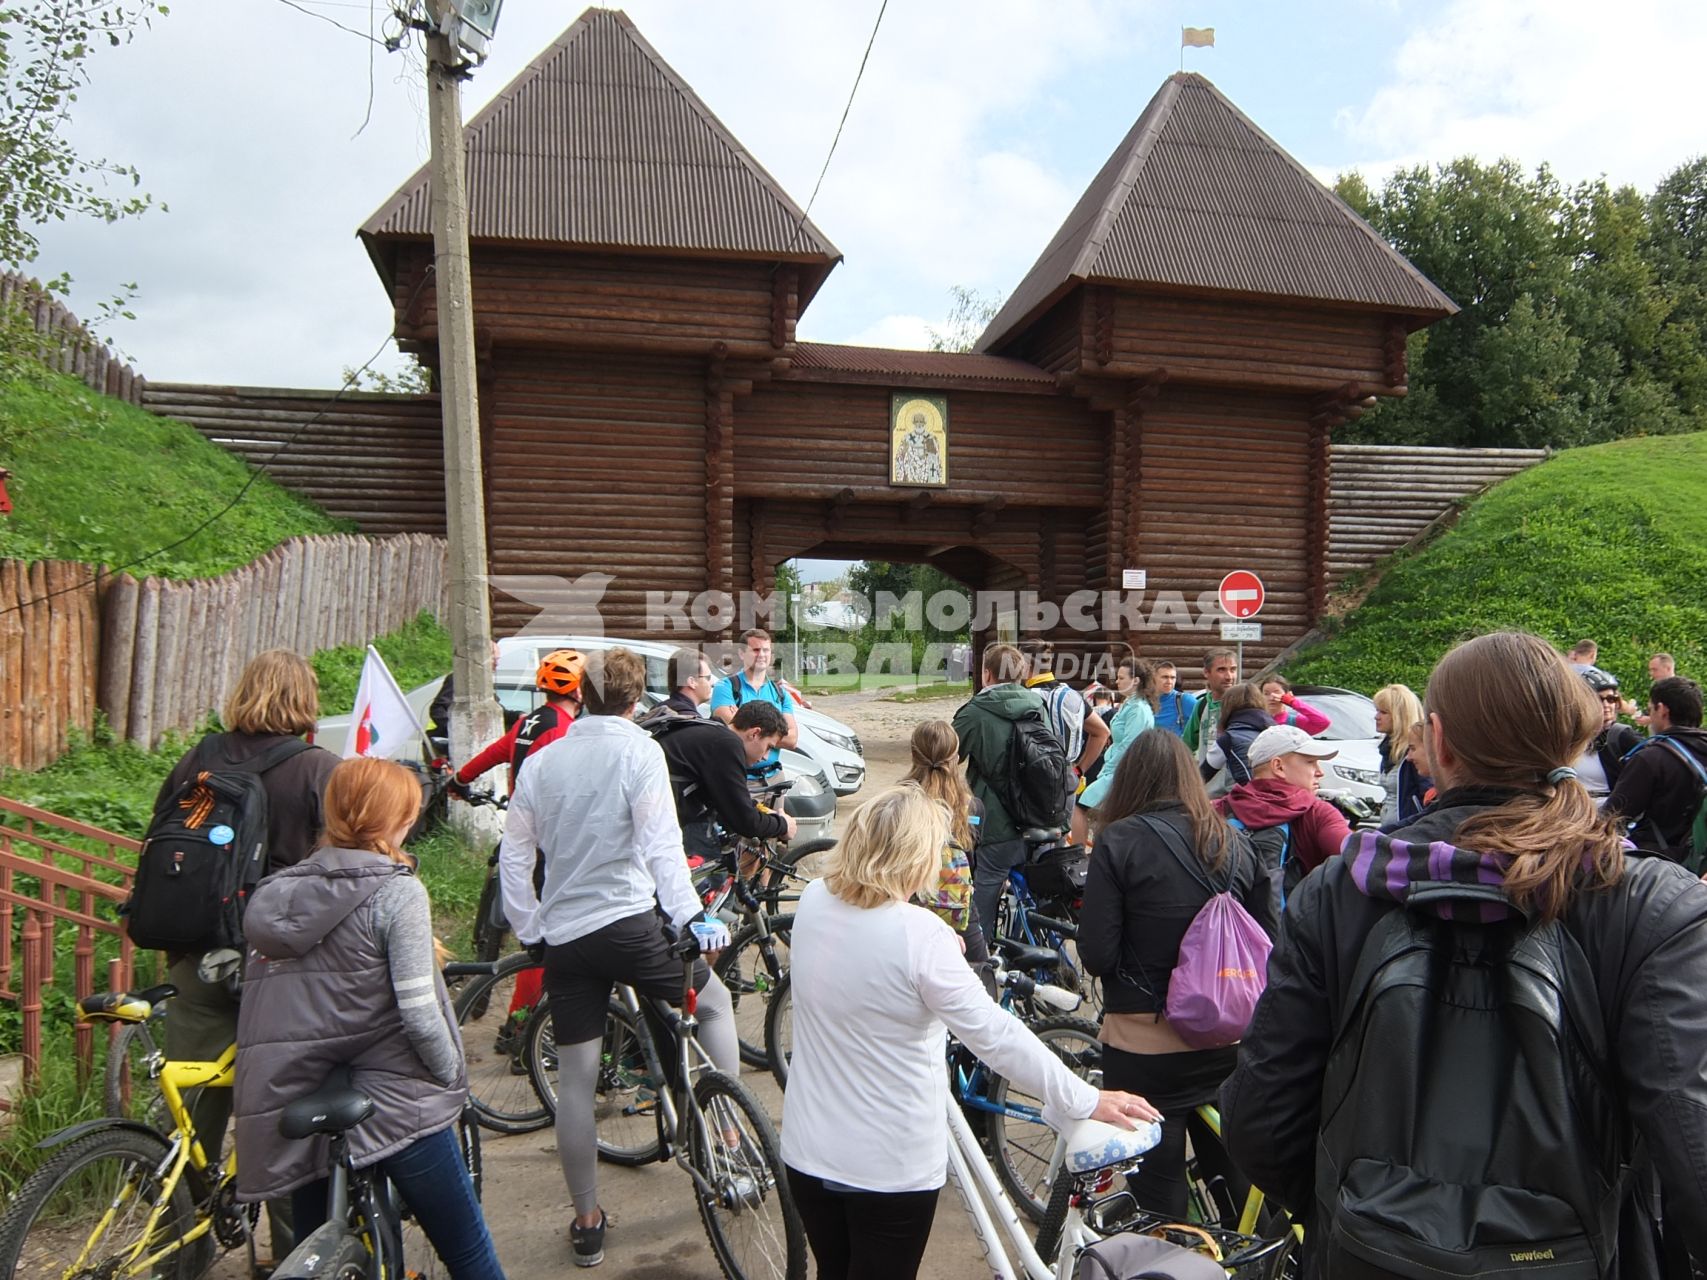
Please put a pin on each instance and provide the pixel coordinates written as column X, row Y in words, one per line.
column 1352, row 714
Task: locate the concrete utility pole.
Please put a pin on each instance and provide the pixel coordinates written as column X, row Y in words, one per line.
column 474, row 719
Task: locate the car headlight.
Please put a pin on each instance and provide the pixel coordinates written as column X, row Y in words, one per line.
column 840, row 741
column 805, row 784
column 846, row 773
column 1364, row 777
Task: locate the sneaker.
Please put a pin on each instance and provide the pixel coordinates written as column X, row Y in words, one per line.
column 588, row 1243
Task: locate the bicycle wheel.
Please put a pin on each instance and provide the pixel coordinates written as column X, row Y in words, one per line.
column 132, row 1084
column 92, row 1210
column 779, row 1032
column 749, row 1215
column 494, row 1024
column 1021, row 1145
column 625, row 1102
column 744, row 971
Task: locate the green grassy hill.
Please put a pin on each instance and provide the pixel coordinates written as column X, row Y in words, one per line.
column 1607, row 542
column 98, row 480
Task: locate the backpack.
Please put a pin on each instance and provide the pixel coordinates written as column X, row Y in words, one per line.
column 1037, row 791
column 1695, row 858
column 205, row 851
column 1055, row 695
column 661, row 722
column 737, row 689
column 1222, row 967
column 1468, row 1126
column 1273, row 845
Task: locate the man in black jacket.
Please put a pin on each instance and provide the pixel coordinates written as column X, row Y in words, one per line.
column 708, row 763
column 1658, row 790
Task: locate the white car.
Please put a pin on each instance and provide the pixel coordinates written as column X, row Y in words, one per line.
column 828, row 741
column 1356, row 770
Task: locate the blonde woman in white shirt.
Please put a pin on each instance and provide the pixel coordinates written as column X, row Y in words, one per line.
column 875, row 979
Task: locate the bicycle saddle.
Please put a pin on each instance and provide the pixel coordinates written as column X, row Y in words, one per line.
column 1029, row 959
column 334, row 1107
column 1039, row 835
column 123, row 1006
column 1093, row 1145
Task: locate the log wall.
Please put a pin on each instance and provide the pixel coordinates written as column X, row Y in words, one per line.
column 377, row 460
column 65, row 345
column 49, row 641
column 158, row 656
column 597, row 464
column 605, row 301
column 1382, row 497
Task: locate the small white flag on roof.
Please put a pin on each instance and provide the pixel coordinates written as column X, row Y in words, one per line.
column 1197, row 37
column 382, row 724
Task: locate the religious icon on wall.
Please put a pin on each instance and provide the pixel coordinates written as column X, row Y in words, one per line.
column 918, row 440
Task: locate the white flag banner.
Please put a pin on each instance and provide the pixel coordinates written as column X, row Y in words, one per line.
column 383, row 725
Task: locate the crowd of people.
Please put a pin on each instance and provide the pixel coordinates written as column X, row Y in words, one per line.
column 1527, row 824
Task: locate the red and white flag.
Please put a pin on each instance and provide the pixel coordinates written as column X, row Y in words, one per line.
column 383, row 725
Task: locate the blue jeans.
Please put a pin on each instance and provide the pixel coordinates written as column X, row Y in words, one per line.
column 433, row 1181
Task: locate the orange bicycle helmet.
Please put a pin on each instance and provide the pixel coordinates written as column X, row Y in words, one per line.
column 560, row 672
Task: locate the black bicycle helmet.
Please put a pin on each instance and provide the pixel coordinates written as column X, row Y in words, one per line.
column 1598, row 680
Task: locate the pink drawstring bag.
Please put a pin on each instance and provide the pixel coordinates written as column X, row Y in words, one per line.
column 1222, row 967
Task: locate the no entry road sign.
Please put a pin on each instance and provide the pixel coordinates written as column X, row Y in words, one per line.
column 1241, row 594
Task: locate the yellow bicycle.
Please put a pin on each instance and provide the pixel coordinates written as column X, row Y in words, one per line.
column 120, row 1199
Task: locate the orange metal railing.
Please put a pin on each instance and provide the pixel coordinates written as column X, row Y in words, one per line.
column 61, row 874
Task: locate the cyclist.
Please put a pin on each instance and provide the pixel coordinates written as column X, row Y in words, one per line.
column 865, row 1129
column 1602, row 760
column 708, row 764
column 559, row 679
column 342, row 974
column 599, row 808
column 936, row 769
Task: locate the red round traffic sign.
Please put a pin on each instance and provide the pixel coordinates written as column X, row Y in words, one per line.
column 1241, row 594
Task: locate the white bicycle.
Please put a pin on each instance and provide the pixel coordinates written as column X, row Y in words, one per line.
column 1085, row 1210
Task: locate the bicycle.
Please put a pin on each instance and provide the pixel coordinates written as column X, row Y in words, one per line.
column 648, row 1108
column 1084, row 1210
column 122, row 1198
column 362, row 1237
column 494, row 1024
column 1213, row 1203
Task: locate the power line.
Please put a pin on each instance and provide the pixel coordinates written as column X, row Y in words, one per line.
column 292, row 4
column 858, row 76
column 256, row 469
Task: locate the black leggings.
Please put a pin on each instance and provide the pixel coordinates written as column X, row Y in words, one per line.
column 1176, row 1084
column 863, row 1235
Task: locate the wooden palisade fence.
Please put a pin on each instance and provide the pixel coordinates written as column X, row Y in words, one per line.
column 158, row 655
column 57, row 885
column 66, row 346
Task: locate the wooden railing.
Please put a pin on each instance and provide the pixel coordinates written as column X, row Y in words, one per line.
column 57, row 885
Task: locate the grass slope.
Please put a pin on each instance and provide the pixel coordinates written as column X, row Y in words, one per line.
column 98, row 480
column 1607, row 542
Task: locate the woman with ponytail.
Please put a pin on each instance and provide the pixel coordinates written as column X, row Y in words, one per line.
column 342, row 975
column 1511, row 865
column 936, row 768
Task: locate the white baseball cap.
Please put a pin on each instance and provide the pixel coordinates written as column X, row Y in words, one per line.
column 1285, row 740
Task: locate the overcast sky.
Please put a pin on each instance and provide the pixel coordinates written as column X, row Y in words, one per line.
column 977, row 124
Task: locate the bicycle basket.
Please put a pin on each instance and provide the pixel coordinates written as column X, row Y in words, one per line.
column 1059, row 873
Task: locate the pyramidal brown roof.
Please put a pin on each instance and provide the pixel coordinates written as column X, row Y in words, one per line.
column 1197, row 197
column 598, row 143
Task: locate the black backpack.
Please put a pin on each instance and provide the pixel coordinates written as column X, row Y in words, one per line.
column 205, row 851
column 1469, row 1126
column 1036, row 791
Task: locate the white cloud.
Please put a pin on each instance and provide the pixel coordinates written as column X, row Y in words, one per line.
column 911, row 333
column 1586, row 88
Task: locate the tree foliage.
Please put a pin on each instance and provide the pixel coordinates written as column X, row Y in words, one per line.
column 45, row 46
column 1584, row 307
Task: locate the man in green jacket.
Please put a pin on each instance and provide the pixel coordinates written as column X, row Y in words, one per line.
column 1220, row 673
column 985, row 726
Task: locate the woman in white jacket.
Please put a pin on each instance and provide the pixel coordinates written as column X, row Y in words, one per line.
column 875, row 978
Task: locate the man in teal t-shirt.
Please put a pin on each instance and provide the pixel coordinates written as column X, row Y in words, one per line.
column 754, row 680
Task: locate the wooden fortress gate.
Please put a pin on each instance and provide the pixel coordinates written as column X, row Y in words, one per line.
column 1156, row 394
